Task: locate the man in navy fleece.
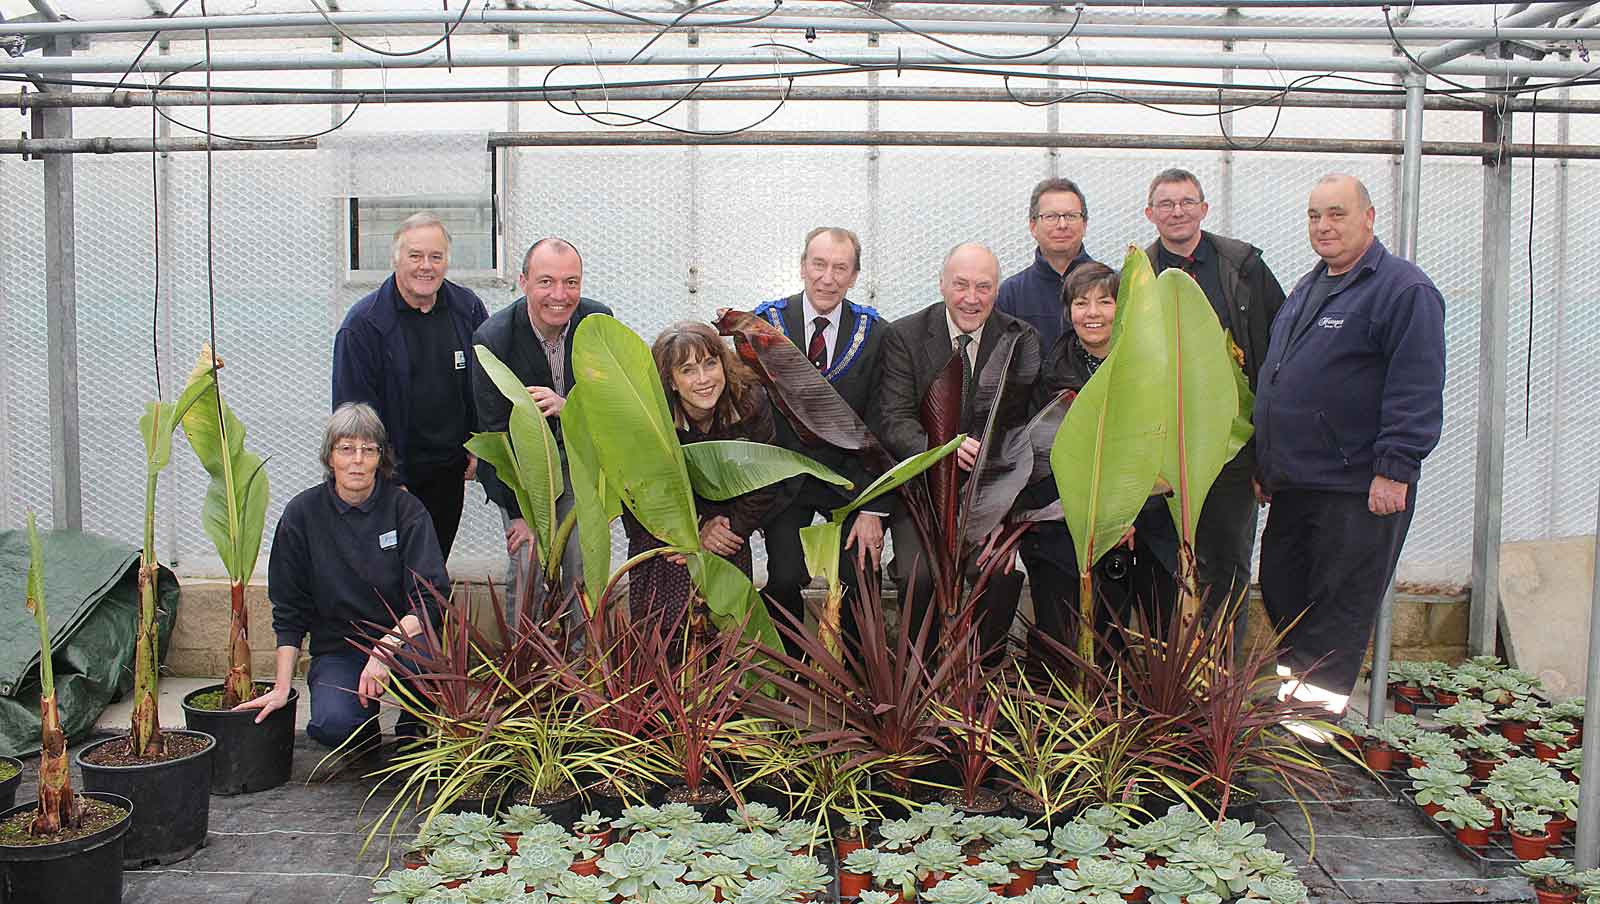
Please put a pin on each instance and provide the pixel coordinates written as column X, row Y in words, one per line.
column 1350, row 400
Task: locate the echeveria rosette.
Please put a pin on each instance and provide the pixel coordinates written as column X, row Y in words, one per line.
column 1076, row 840
column 442, row 895
column 938, row 855
column 717, row 871
column 454, row 863
column 958, row 890
column 1099, row 874
column 1238, row 837
column 1106, row 818
column 1172, row 884
column 575, row 889
column 756, row 815
column 640, row 818
column 877, row 896
column 678, row 816
column 1268, row 862
column 862, row 861
column 520, row 818
column 804, row 875
column 760, row 852
column 899, row 834
column 712, row 837
column 590, row 823
column 471, row 830
column 639, row 864
column 987, row 872
column 402, row 886
column 1222, row 869
column 939, row 819
column 678, row 893
column 539, row 864
column 544, row 833
column 799, row 835
column 1021, row 853
column 1006, row 828
column 492, row 889
column 769, row 890
column 681, row 849
column 1157, row 837
column 1278, row 890
column 898, row 872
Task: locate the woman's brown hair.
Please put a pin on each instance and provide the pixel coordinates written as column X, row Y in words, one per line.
column 689, row 340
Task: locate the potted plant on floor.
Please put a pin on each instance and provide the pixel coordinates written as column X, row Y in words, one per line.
column 1406, row 681
column 1431, row 787
column 1516, row 718
column 65, row 848
column 1486, row 751
column 1469, row 817
column 250, row 755
column 1550, row 738
column 1378, row 749
column 1549, row 877
column 1530, row 834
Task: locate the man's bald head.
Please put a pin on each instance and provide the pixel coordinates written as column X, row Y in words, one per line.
column 969, row 282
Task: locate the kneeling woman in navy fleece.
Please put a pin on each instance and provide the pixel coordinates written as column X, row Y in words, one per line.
column 351, row 552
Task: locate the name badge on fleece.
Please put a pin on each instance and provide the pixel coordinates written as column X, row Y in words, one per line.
column 461, row 360
column 388, row 540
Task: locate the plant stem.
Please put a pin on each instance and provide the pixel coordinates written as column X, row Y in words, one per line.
column 58, row 809
column 145, row 730
column 239, row 686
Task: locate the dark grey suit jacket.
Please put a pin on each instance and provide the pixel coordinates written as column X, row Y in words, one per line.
column 918, row 347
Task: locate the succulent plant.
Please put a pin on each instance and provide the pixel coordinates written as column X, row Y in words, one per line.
column 1464, row 812
column 442, row 895
column 681, row 848
column 804, row 875
column 1172, row 884
column 583, row 847
column 640, row 818
column 1106, row 818
column 1157, row 836
column 1401, row 727
column 473, row 830
column 1046, row 894
column 492, row 889
column 544, row 833
column 1426, row 745
column 1433, row 785
column 1571, row 710
column 539, row 864
column 1532, row 823
column 678, row 816
column 899, row 834
column 713, row 836
column 938, row 855
column 988, row 872
column 575, row 889
column 799, row 835
column 1571, row 760
column 936, row 817
column 1587, row 881
column 638, row 865
column 1022, row 853
column 1519, row 711
column 455, row 862
column 590, row 823
column 957, row 890
column 1079, row 839
column 1522, row 772
column 402, row 886
column 1238, row 837
column 1099, row 874
column 1267, row 862
column 1204, row 897
column 1279, row 890
column 861, row 861
column 1484, row 661
column 678, row 893
column 896, row 871
column 1485, row 746
column 1410, row 673
column 1004, row 828
column 756, row 815
column 519, row 818
column 760, row 852
column 1548, row 873
column 1217, row 866
column 877, row 896
column 1546, row 734
column 770, row 890
column 1465, row 717
column 717, row 871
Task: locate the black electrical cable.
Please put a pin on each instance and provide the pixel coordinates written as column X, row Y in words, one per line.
column 211, row 252
column 776, row 4
column 209, row 133
column 629, row 120
column 155, row 228
column 443, row 39
column 872, row 10
column 147, row 45
column 1485, row 89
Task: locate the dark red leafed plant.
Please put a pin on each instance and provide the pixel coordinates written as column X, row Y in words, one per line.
column 873, row 702
column 970, row 703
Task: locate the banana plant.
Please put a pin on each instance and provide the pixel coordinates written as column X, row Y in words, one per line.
column 235, row 509
column 1201, row 383
column 58, row 806
column 160, row 419
column 1107, row 455
column 634, row 444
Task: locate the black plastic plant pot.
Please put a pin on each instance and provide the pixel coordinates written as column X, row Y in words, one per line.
column 8, row 788
column 85, row 870
column 249, row 757
column 171, row 801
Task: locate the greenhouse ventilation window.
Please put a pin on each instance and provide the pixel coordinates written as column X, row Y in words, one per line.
column 474, row 233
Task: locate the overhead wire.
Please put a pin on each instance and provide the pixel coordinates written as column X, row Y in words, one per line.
column 444, row 39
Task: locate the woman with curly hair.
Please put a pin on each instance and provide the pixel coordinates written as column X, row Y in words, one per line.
column 711, row 396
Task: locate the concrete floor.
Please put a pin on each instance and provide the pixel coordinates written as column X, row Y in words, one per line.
column 301, row 843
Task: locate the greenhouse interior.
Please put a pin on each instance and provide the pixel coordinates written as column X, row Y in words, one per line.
column 428, row 478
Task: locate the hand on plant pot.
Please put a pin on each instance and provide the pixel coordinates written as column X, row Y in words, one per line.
column 268, row 703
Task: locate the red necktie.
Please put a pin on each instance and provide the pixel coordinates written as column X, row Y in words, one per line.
column 817, row 351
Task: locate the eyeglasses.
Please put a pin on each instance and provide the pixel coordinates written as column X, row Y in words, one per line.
column 1169, row 205
column 1070, row 218
column 349, row 450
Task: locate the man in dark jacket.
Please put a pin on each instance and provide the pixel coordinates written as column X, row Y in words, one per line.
column 533, row 337
column 404, row 350
column 843, row 339
column 1058, row 215
column 1351, row 401
column 1246, row 296
column 916, row 349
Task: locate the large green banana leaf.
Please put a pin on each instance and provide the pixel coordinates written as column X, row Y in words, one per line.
column 637, row 446
column 594, row 497
column 1202, row 402
column 731, row 599
column 721, row 469
column 1243, row 422
column 534, row 472
column 235, row 509
column 1108, row 452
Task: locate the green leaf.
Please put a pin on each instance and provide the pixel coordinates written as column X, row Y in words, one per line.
column 721, row 469
column 638, row 447
column 820, row 543
column 899, row 475
column 235, row 509
column 594, row 497
column 1243, row 422
column 731, row 598
column 1107, row 454
column 535, row 458
column 1202, row 402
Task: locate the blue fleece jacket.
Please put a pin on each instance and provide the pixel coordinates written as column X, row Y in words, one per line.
column 1034, row 296
column 370, row 363
column 1358, row 389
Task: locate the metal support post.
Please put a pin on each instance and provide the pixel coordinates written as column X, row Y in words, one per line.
column 1493, row 344
column 61, row 304
column 1410, row 205
column 1587, row 854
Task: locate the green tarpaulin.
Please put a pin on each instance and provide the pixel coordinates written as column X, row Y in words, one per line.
column 91, row 588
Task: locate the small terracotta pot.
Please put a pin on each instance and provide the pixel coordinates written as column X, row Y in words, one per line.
column 511, row 840
column 1405, row 706
column 1515, row 732
column 853, row 884
column 1499, row 824
column 1554, row 897
column 588, row 867
column 1405, row 692
column 1545, row 752
column 1482, row 768
column 602, row 838
column 1530, row 847
column 1431, row 809
column 414, row 859
column 1378, row 757
column 932, row 879
column 1417, row 761
column 1473, row 838
column 1025, row 880
column 1445, row 698
column 1556, row 828
column 843, row 846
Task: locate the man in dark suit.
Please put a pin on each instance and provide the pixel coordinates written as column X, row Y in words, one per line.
column 533, row 337
column 916, row 349
column 843, row 339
